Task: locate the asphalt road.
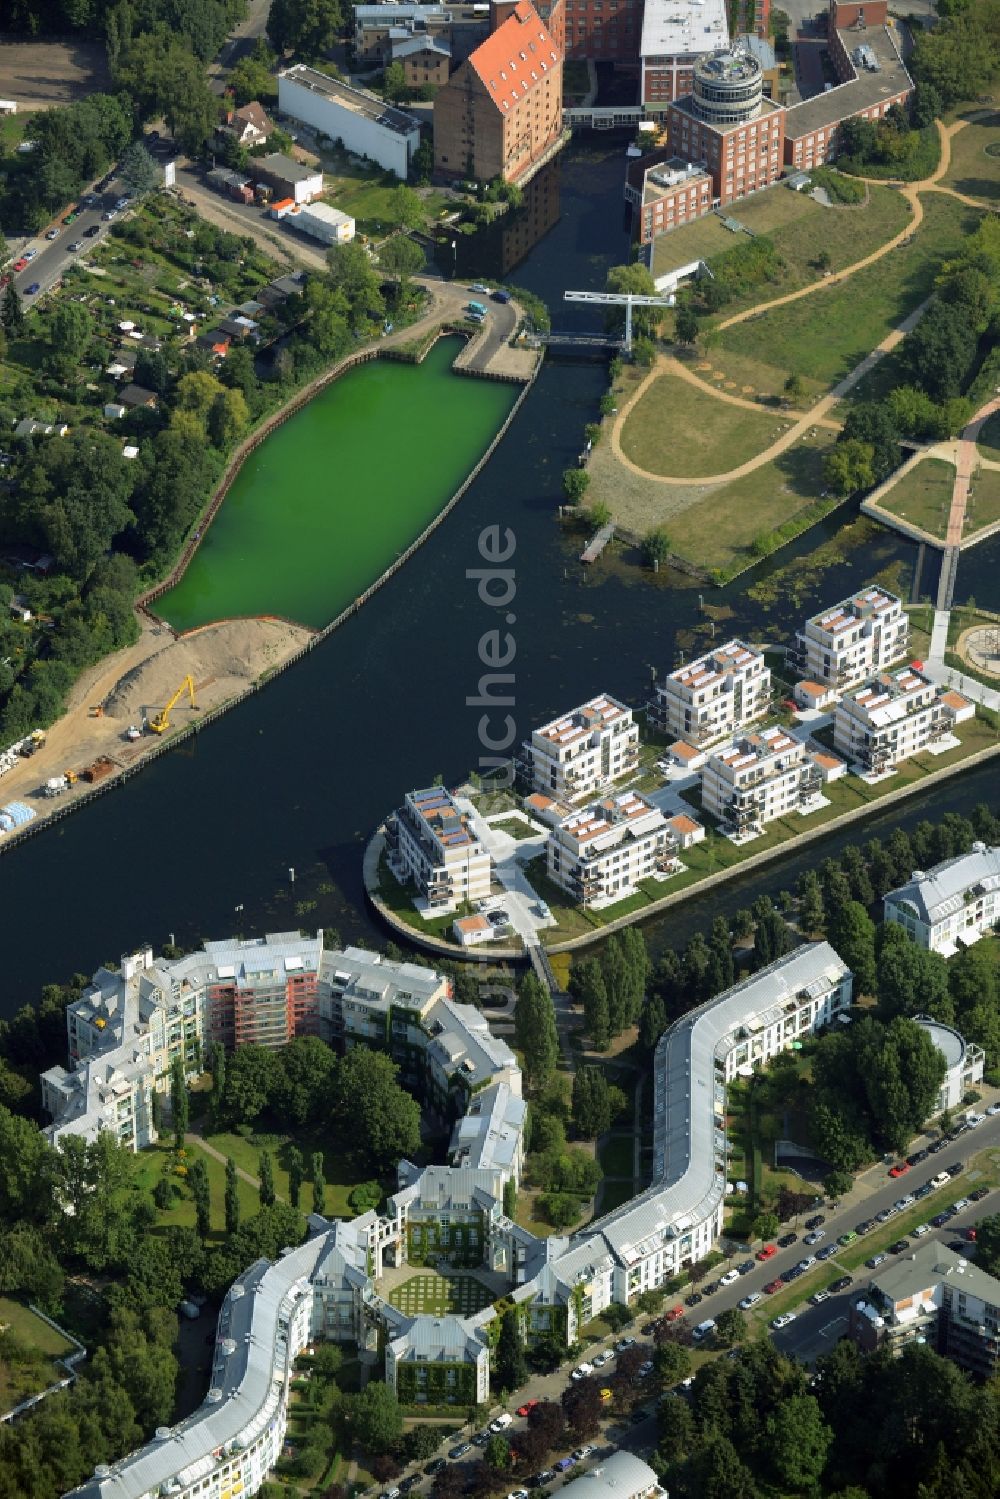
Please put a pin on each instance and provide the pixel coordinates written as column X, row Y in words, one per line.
column 54, row 256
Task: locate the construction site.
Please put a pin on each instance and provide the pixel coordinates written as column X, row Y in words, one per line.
column 131, row 704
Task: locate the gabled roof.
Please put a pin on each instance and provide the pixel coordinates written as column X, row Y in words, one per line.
column 515, row 58
column 943, row 890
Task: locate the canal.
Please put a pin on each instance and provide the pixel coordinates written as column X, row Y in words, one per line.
column 201, row 843
column 322, row 507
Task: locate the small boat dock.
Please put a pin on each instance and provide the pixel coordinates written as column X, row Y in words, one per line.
column 597, row 543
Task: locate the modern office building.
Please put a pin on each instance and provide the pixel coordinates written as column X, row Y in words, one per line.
column 584, row 750
column 760, row 777
column 362, row 121
column 500, row 113
column 676, row 35
column 665, row 195
column 953, row 904
column 727, row 126
column 603, row 852
column 931, row 1295
column 893, row 716
column 380, row 29
column 709, row 699
column 430, row 843
column 862, row 635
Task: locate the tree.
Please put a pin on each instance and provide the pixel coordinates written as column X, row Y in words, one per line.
column 656, row 547
column 988, row 1244
column 250, row 1078
column 810, row 903
column 27, row 1167
column 795, row 389
column 772, row 939
column 308, row 27
column 350, row 272
column 232, row 1197
column 575, row 483
column 200, row 1191
column 638, row 279
column 673, row 1362
column 303, row 1086
column 652, row 1022
column 318, row 1183
column 912, row 980
column 730, row 1326
column 163, row 77
column 510, row 1198
column 228, row 417
column 139, row 170
column 686, row 324
column 12, row 314
column 716, row 1471
column 296, row 1171
column 406, row 208
column 511, row 1366
column 849, row 465
column 179, row 1109
column 582, row 1404
column 535, row 1029
column 765, row 1225
column 266, row 1176
column 837, row 1184
column 401, row 256
column 365, row 1197
column 70, row 329
column 375, row 1417
column 852, row 934
column 591, row 1103
column 588, row 988
column 798, row 1440
column 380, row 1118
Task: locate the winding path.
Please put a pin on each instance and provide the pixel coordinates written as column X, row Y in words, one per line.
column 818, row 415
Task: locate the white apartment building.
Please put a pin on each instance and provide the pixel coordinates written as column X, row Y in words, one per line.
column 893, row 716
column 760, row 777
column 577, row 754
column 603, row 852
column 430, row 841
column 857, row 638
column 951, row 905
column 362, row 121
column 712, row 697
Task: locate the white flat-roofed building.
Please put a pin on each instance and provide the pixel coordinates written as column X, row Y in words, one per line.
column 951, row 905
column 365, row 123
column 675, row 34
column 430, row 841
column 855, row 639
column 577, row 754
column 893, row 716
column 603, row 852
column 324, row 223
column 709, row 699
column 964, row 1063
column 760, row 777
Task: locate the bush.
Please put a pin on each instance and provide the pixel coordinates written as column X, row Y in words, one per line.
column 838, row 187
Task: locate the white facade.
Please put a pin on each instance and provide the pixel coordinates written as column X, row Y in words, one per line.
column 324, row 223
column 953, row 904
column 362, row 121
column 759, row 778
column 709, row 699
column 857, row 638
column 603, row 852
column 577, row 754
column 430, row 842
column 964, row 1063
column 894, row 716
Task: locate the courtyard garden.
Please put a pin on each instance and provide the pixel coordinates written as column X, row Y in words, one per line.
column 430, row 1295
column 923, row 496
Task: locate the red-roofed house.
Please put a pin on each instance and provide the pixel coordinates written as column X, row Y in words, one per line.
column 501, row 110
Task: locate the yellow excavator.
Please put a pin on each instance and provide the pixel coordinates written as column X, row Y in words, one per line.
column 160, row 722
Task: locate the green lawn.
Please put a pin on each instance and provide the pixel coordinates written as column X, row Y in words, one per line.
column 983, row 508
column 33, row 1369
column 148, row 1167
column 824, row 336
column 340, row 1181
column 974, row 169
column 989, row 438
column 366, row 193
column 923, row 496
column 616, row 1155
column 439, row 1295
column 514, row 828
column 717, row 530
column 800, row 228
column 679, row 430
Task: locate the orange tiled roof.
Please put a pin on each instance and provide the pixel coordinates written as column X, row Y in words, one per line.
column 515, row 58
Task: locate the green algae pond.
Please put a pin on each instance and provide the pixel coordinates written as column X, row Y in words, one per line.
column 333, row 495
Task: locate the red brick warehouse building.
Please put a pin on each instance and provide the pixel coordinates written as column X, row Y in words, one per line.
column 500, row 113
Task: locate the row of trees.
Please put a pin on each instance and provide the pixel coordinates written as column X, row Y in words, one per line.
column 611, row 988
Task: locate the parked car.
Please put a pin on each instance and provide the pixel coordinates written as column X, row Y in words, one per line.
column 93, row 231
column 501, row 296
column 30, row 291
column 806, row 1264
column 839, row 1285
column 599, row 1360
column 459, row 1450
column 783, row 1320
column 563, row 1464
column 936, row 1145
column 940, row 1219
column 22, row 264
column 749, row 1301
column 956, row 1169
column 435, row 1466
column 768, row 1252
column 787, row 1240
column 900, row 1169
column 993, row 1108
column 876, row 1260
column 979, row 1194
column 774, row 1285
column 711, row 1286
column 646, row 1368
column 695, row 1299
column 624, row 1343
column 924, row 1191
column 826, row 1252
column 961, row 1205
column 407, row 1484
column 916, row 1157
column 745, row 1267
column 74, row 245
column 542, row 1478
column 815, row 1236
column 847, row 1238
column 53, row 233
column 863, row 1227
column 673, row 1314
column 729, row 1278
column 921, row 1229
column 903, row 1202
column 816, row 1221
column 527, row 1407
column 899, row 1246
column 581, row 1454
column 818, row 1297
column 703, row 1330
column 582, row 1370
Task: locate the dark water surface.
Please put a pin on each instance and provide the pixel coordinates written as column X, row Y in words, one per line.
column 300, row 774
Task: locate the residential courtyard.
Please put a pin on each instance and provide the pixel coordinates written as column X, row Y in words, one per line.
column 429, row 1294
